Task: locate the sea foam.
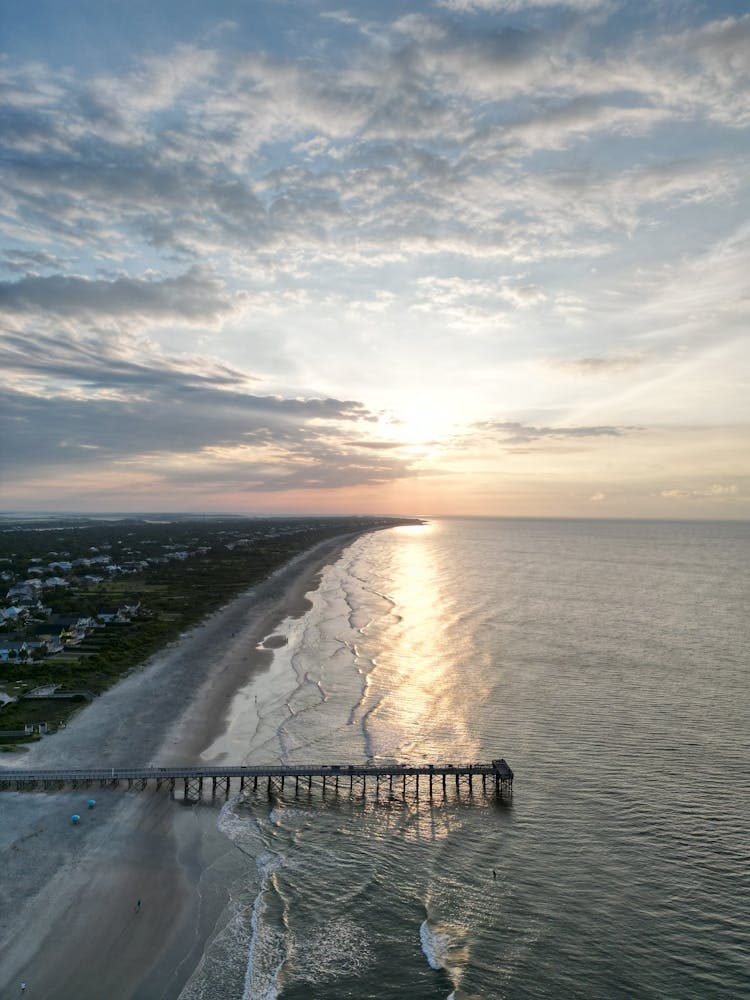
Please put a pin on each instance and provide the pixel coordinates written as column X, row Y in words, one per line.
column 435, row 944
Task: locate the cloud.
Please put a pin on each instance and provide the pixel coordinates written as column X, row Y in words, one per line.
column 512, row 6
column 715, row 491
column 577, row 200
column 30, row 261
column 110, row 362
column 473, row 303
column 73, row 406
column 378, row 445
column 417, row 135
column 316, row 465
column 512, row 432
column 599, row 364
column 194, row 296
column 687, row 306
column 186, row 419
column 576, row 121
column 720, row 75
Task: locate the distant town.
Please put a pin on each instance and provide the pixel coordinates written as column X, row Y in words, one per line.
column 85, row 599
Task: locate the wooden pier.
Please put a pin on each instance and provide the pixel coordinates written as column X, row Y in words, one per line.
column 190, row 783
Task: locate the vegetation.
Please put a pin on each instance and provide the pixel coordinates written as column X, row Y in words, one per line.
column 174, row 571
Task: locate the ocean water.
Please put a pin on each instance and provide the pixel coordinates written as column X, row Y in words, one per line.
column 608, row 662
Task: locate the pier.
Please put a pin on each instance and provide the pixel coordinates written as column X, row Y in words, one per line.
column 190, row 783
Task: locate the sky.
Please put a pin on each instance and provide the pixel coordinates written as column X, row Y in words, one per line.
column 482, row 257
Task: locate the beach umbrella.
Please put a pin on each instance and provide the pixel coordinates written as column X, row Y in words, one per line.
column 75, row 818
column 92, row 803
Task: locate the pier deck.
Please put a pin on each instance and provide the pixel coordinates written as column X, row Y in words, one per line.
column 498, row 773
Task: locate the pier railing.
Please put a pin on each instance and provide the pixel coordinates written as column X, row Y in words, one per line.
column 497, row 774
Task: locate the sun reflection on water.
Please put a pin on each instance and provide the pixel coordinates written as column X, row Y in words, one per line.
column 423, row 708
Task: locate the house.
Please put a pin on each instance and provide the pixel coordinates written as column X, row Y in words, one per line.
column 34, row 645
column 24, row 594
column 71, row 628
column 11, row 614
column 134, row 566
column 46, row 638
column 122, row 613
column 12, row 650
column 86, row 622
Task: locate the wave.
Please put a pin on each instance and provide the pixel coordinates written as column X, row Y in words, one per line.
column 444, row 946
column 434, row 945
column 268, row 947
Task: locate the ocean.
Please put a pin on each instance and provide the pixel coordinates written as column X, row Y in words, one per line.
column 607, row 662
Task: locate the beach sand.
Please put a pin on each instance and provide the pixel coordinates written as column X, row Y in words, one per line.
column 69, row 926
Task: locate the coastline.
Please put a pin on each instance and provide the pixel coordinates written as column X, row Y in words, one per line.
column 68, row 922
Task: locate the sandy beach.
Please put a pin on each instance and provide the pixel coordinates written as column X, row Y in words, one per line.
column 69, row 922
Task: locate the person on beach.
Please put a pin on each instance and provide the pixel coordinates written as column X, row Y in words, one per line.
column 23, row 987
column 138, row 906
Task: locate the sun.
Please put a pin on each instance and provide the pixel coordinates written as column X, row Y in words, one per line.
column 422, row 427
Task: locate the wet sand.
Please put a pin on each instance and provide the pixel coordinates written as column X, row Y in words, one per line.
column 69, row 926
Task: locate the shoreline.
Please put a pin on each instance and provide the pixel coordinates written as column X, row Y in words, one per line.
column 70, row 926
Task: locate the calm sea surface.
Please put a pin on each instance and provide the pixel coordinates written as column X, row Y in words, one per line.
column 608, row 662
